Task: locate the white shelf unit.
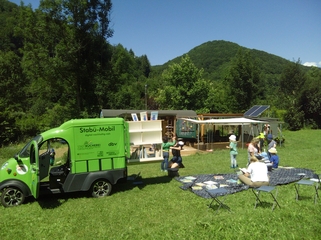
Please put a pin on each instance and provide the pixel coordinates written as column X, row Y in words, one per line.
column 143, row 135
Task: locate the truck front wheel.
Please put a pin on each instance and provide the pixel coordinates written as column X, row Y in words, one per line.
column 101, row 188
column 12, row 197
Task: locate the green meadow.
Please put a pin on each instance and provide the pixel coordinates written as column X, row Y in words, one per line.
column 159, row 209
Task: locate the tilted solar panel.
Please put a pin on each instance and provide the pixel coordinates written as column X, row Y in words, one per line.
column 256, row 111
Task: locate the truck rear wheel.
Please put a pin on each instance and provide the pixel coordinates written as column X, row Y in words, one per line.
column 101, row 188
column 12, row 197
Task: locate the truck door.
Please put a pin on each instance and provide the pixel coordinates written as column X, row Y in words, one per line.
column 127, row 140
column 34, row 165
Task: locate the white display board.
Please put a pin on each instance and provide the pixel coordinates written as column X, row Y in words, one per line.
column 146, row 141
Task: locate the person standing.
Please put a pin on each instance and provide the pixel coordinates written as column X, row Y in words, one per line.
column 260, row 144
column 233, row 151
column 271, row 143
column 165, row 146
column 266, row 130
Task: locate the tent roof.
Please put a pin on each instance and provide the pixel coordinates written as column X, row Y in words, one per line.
column 227, row 121
column 161, row 113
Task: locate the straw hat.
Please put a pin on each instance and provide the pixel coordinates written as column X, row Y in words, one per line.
column 232, row 138
column 272, row 150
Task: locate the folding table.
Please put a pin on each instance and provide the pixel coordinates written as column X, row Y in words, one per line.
column 307, row 182
column 267, row 189
column 215, row 194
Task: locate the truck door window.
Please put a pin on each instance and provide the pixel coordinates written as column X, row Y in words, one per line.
column 53, row 152
column 25, row 152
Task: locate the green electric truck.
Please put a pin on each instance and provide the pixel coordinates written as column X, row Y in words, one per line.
column 81, row 155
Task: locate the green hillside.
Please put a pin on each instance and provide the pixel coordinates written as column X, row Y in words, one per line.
column 215, row 57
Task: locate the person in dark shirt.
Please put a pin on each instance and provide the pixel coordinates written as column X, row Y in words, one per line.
column 177, row 158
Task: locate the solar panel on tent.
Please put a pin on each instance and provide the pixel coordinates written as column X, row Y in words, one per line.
column 256, row 111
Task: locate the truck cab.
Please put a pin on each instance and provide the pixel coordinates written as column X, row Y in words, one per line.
column 80, row 155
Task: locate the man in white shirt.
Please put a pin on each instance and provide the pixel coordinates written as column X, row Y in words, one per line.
column 256, row 175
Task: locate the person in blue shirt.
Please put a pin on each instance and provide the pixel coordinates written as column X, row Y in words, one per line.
column 274, row 159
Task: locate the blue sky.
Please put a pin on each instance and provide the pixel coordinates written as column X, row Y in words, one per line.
column 165, row 29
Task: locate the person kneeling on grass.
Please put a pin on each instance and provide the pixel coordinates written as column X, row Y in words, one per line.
column 176, row 161
column 256, row 175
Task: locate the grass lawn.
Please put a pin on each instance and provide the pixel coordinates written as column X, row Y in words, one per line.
column 159, row 209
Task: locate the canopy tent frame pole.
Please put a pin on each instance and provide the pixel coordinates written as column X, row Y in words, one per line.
column 242, row 137
column 198, row 137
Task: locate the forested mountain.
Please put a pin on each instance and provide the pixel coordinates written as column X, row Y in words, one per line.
column 215, row 58
column 57, row 64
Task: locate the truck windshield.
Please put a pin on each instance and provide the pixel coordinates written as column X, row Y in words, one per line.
column 25, row 151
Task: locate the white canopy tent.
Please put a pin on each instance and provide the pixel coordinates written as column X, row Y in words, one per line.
column 228, row 121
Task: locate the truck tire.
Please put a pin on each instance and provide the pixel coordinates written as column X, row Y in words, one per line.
column 100, row 188
column 12, row 196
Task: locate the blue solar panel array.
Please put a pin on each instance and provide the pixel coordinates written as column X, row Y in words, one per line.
column 256, row 110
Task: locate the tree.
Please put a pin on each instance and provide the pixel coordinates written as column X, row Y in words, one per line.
column 66, row 54
column 143, row 65
column 182, row 87
column 291, row 82
column 243, row 81
column 12, row 92
column 8, row 20
column 294, row 118
column 125, row 82
column 310, row 98
column 217, row 101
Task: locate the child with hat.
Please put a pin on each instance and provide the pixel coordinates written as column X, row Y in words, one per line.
column 233, row 151
column 274, row 158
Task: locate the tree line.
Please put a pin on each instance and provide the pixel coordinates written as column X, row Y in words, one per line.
column 57, row 64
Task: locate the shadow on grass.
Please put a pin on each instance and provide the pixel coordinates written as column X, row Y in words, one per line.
column 216, row 208
column 305, row 198
column 264, row 204
column 51, row 201
column 139, row 182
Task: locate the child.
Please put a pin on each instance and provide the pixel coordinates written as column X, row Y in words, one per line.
column 233, row 151
column 165, row 146
column 274, row 159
